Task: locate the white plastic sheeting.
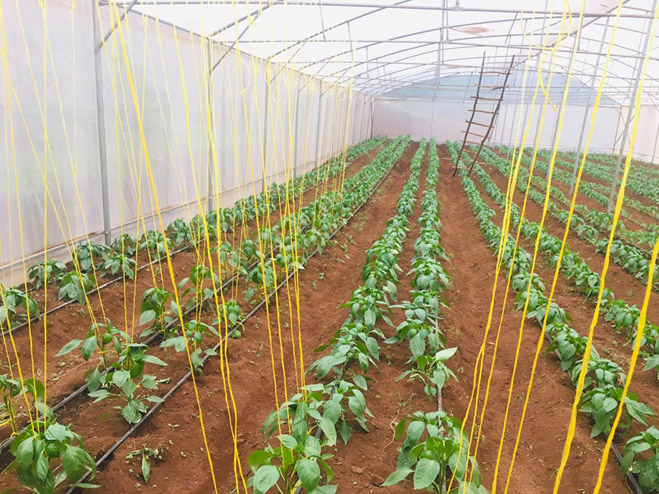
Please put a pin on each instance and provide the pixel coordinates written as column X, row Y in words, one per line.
column 56, row 180
column 449, row 122
column 263, row 118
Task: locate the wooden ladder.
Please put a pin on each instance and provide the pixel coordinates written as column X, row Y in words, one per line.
column 493, row 113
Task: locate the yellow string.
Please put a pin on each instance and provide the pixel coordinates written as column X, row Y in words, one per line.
column 607, row 257
column 563, row 243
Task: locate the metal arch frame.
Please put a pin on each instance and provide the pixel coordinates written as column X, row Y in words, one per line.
column 559, row 39
column 405, row 82
column 404, row 4
column 561, row 57
column 364, row 84
column 371, row 5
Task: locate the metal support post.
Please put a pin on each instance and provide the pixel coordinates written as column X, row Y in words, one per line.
column 295, row 124
column 630, row 116
column 320, row 96
column 654, row 149
column 264, row 166
column 100, row 116
column 210, row 128
column 585, row 113
column 553, row 143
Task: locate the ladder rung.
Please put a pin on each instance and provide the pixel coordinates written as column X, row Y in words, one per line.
column 496, row 72
column 486, row 99
column 482, row 111
column 479, row 143
column 473, row 134
column 478, row 123
column 490, row 86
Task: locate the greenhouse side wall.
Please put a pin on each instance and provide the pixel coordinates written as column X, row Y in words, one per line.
column 50, row 128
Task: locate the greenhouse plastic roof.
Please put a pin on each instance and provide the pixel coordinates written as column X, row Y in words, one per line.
column 380, row 46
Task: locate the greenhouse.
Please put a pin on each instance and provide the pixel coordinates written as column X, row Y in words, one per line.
column 329, row 246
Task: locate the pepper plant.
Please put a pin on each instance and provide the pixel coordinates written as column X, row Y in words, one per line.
column 50, row 457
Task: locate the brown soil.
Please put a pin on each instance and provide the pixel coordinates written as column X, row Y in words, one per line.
column 636, row 215
column 120, row 303
column 472, row 267
column 326, row 282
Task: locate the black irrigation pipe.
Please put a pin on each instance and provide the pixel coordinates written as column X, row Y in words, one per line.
column 98, row 288
column 110, row 452
column 83, row 387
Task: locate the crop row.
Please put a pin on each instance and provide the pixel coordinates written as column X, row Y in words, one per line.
column 78, row 279
column 604, row 379
column 162, row 312
column 605, row 175
column 47, row 454
column 312, row 420
column 434, row 450
column 637, row 181
column 623, row 316
column 646, row 234
column 600, row 193
column 630, row 258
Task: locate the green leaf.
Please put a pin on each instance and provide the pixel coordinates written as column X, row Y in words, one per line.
column 346, row 431
column 327, row 426
column 146, row 468
column 42, row 467
column 147, row 316
column 73, row 460
column 24, row 454
column 425, row 473
column 417, row 345
column 257, row 458
column 445, row 354
column 288, row 441
column 369, row 318
column 360, row 381
column 120, row 377
column 652, row 362
column 151, row 359
column 266, row 476
column 56, row 432
column 88, row 347
column 131, row 412
column 397, row 476
column 332, row 410
column 414, row 431
column 324, row 489
column 69, row 347
column 309, row 473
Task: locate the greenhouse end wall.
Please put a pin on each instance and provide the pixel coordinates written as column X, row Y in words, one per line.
column 448, row 120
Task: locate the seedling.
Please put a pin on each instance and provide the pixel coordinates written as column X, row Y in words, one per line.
column 146, row 455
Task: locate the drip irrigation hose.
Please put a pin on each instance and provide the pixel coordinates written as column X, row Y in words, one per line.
column 98, row 288
column 108, row 454
column 82, row 388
